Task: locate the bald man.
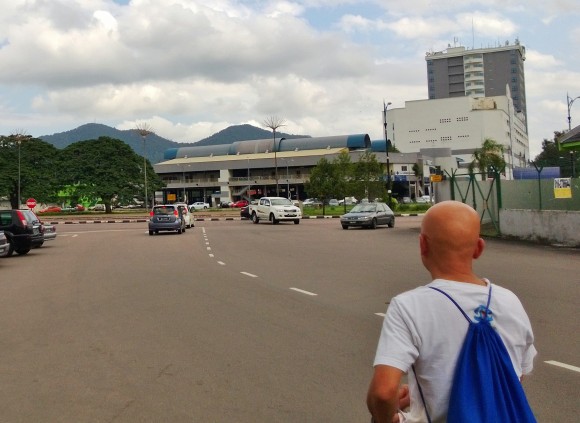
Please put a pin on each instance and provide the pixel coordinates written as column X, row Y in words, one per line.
column 423, row 329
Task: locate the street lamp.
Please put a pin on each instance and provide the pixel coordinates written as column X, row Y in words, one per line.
column 19, row 136
column 387, row 143
column 274, row 122
column 570, row 101
column 144, row 129
column 288, row 178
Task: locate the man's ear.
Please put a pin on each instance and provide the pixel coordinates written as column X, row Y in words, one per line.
column 479, row 248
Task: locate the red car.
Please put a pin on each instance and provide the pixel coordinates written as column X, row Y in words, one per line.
column 240, row 203
column 51, row 209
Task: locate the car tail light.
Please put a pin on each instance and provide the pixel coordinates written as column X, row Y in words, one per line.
column 151, row 213
column 22, row 218
column 175, row 212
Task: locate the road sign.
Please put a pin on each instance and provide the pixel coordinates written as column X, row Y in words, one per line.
column 436, row 178
column 31, row 203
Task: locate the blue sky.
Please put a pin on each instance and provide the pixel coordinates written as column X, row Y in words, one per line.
column 190, row 68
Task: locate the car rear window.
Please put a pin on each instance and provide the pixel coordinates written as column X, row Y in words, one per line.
column 163, row 210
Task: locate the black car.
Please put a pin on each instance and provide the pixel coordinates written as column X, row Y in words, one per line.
column 23, row 230
column 245, row 212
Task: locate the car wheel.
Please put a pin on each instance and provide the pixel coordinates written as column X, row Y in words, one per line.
column 22, row 251
column 273, row 219
column 150, row 232
column 39, row 245
column 344, row 226
column 156, row 232
column 374, row 224
column 392, row 223
column 297, row 221
column 179, row 231
column 255, row 218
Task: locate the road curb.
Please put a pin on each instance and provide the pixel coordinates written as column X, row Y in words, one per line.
column 199, row 219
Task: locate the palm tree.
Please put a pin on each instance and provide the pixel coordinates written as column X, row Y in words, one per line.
column 274, row 122
column 489, row 155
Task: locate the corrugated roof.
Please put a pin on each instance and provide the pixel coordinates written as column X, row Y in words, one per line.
column 257, row 156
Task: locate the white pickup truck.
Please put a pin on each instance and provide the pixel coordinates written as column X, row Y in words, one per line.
column 275, row 209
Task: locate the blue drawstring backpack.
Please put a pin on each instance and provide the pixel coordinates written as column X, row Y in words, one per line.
column 485, row 385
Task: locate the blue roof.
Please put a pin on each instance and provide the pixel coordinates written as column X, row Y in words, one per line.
column 353, row 142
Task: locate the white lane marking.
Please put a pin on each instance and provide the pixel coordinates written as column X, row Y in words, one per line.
column 207, row 243
column 564, row 365
column 249, row 274
column 380, row 314
column 222, row 263
column 303, row 292
column 203, row 229
column 211, row 255
column 208, row 248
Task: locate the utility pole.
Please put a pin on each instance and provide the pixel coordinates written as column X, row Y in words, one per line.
column 387, row 145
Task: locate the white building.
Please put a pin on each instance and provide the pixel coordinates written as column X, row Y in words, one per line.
column 460, row 124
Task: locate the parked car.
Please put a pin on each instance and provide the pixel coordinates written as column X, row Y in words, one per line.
column 186, row 214
column 23, row 230
column 51, row 209
column 3, row 244
column 312, row 202
column 423, row 199
column 240, row 203
column 348, row 201
column 199, row 205
column 368, row 215
column 97, row 207
column 333, row 202
column 77, row 208
column 167, row 217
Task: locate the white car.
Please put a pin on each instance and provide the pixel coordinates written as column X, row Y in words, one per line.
column 199, row 205
column 348, row 201
column 186, row 214
column 423, row 199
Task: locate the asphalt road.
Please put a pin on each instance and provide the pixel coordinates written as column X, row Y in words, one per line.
column 233, row 321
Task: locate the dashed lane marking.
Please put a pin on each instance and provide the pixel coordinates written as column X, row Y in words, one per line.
column 221, row 263
column 563, row 365
column 380, row 314
column 249, row 274
column 303, row 291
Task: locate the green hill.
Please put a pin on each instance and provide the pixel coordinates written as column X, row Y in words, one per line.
column 155, row 145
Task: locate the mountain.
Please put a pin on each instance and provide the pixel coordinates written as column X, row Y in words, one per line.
column 155, row 145
column 243, row 133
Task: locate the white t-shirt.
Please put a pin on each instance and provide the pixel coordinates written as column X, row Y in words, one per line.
column 423, row 327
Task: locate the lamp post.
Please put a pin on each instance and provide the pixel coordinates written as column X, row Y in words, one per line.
column 144, row 129
column 387, row 143
column 288, row 178
column 570, row 101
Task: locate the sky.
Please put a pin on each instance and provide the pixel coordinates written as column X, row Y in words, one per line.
column 190, row 68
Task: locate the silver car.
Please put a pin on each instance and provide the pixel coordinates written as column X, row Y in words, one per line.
column 3, row 244
column 368, row 215
column 168, row 217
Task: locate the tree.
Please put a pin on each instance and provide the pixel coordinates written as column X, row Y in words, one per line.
column 321, row 183
column 552, row 156
column 274, row 122
column 489, row 155
column 38, row 176
column 369, row 176
column 343, row 168
column 106, row 168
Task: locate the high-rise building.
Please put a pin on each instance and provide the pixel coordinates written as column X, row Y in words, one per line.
column 484, row 72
